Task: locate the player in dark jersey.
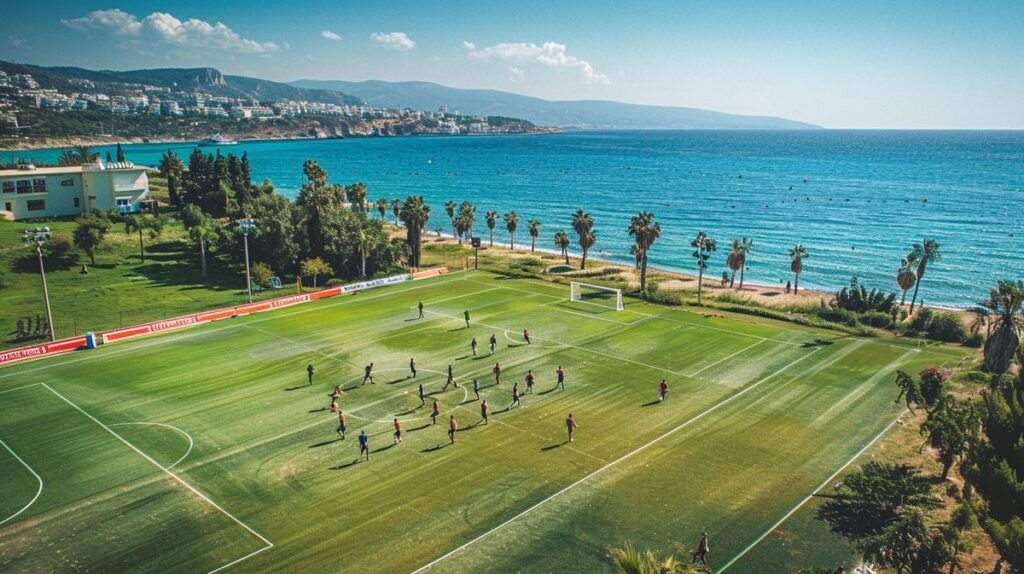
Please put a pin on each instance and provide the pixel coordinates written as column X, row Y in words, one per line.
column 476, row 389
column 472, row 346
column 423, row 396
column 493, row 342
column 368, row 374
column 453, row 426
column 570, row 425
column 515, row 397
column 560, row 372
column 309, row 373
column 466, row 315
column 529, row 382
column 412, row 367
column 483, row 411
column 497, row 373
column 701, row 554
column 436, row 410
column 364, row 445
column 420, row 306
column 450, row 381
column 662, row 390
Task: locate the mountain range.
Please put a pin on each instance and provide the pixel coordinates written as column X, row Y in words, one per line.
column 583, row 114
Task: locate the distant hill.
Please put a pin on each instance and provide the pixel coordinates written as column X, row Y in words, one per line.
column 209, row 80
column 592, row 114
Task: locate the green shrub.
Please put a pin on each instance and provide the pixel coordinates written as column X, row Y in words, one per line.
column 334, row 282
column 840, row 316
column 664, row 297
column 946, row 327
column 974, row 340
column 560, row 269
column 877, row 319
column 919, row 323
column 529, row 262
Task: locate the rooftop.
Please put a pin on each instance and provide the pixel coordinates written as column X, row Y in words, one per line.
column 29, row 170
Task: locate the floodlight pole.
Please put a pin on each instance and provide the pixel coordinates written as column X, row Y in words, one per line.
column 246, row 225
column 46, row 291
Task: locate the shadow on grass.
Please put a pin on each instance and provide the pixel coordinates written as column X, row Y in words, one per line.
column 551, row 390
column 554, row 446
column 436, row 448
column 384, row 448
column 344, row 466
column 325, row 443
column 319, row 410
column 419, row 428
column 297, row 387
column 396, row 381
column 651, row 404
column 819, row 342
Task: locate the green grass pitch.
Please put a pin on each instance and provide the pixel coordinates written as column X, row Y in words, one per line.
column 203, row 450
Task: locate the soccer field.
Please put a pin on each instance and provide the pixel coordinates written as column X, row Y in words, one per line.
column 204, row 450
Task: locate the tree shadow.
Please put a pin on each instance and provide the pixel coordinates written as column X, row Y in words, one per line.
column 325, row 443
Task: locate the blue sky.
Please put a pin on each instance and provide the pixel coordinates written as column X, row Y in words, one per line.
column 862, row 64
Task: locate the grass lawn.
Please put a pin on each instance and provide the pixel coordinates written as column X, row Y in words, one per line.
column 249, row 473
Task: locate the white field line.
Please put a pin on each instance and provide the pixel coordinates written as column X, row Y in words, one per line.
column 521, row 290
column 19, row 388
column 267, row 543
column 722, row 360
column 792, row 511
column 177, row 336
column 452, row 298
column 236, row 561
column 615, row 462
column 191, row 443
column 300, row 344
column 34, row 473
column 587, row 316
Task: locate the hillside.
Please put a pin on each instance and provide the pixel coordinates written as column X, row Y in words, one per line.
column 592, row 114
column 208, row 80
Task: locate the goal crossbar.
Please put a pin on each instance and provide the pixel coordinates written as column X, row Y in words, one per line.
column 594, row 294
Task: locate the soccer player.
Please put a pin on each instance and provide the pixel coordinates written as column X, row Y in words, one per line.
column 412, row 367
column 476, row 389
column 493, row 342
column 472, row 345
column 423, row 396
column 662, row 389
column 466, row 315
column 570, row 425
column 398, row 432
column 368, row 374
column 497, row 373
column 529, row 382
column 337, row 392
column 450, row 381
column 483, row 411
column 364, row 445
column 515, row 397
column 702, row 550
column 561, row 377
column 334, row 406
column 341, row 424
column 420, row 306
column 436, row 411
column 453, row 426
column 309, row 373
column 526, row 335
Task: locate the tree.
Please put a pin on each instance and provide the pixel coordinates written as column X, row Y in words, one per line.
column 396, row 208
column 797, row 255
column 562, row 242
column 645, row 231
column 316, row 198
column 120, row 154
column 628, row 560
column 511, row 223
column 734, row 260
column 583, row 225
column 745, row 247
column 315, row 267
column 139, row 223
column 492, row 220
column 382, row 208
column 905, row 276
column 534, row 226
column 356, row 194
column 78, row 155
column 949, row 430
column 927, row 392
column 415, row 215
column 170, row 165
column 261, row 274
column 466, row 218
column 201, row 229
column 925, row 252
column 703, row 247
column 449, row 208
column 1004, row 310
column 90, row 233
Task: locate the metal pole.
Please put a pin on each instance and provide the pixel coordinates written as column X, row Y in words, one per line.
column 248, row 280
column 46, row 292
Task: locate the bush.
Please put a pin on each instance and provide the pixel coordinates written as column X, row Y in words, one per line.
column 857, row 298
column 261, row 274
column 560, row 269
column 840, row 316
column 664, row 297
column 334, row 282
column 946, row 327
column 529, row 262
column 919, row 323
column 877, row 319
column 974, row 340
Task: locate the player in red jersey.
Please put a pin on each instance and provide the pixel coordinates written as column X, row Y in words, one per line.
column 526, row 335
column 483, row 411
column 341, row 424
column 662, row 390
column 497, row 373
column 398, row 432
column 452, row 427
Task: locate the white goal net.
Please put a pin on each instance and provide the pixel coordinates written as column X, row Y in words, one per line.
column 596, row 295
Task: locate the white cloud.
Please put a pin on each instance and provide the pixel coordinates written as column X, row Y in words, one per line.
column 516, row 74
column 17, row 41
column 165, row 28
column 329, row 35
column 548, row 54
column 393, row 40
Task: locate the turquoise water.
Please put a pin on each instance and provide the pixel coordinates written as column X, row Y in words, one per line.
column 856, row 200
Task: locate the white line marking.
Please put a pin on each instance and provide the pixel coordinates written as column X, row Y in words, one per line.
column 722, row 360
column 192, row 489
column 452, row 298
column 588, row 316
column 19, row 388
column 191, row 443
column 600, row 470
column 809, row 496
column 233, row 562
column 38, row 492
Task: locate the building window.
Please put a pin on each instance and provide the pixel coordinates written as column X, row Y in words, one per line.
column 8, row 186
column 36, row 204
column 123, row 204
column 24, row 186
column 7, row 206
column 39, row 185
column 69, row 182
column 77, row 203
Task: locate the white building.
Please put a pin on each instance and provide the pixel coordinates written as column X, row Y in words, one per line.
column 41, row 192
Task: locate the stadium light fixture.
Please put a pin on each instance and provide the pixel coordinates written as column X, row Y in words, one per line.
column 38, row 240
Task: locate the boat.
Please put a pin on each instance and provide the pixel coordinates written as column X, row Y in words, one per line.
column 217, row 140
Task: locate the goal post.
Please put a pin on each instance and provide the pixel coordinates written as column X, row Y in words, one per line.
column 596, row 295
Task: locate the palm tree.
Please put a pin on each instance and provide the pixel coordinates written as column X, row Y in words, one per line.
column 926, row 252
column 703, row 247
column 382, row 208
column 78, row 155
column 734, row 260
column 511, row 223
column 645, row 231
column 562, row 242
column 905, row 276
column 201, row 233
column 449, row 207
column 139, row 222
column 362, row 252
column 396, row 208
column 356, row 194
column 492, row 220
column 1005, row 308
column 415, row 214
column 467, row 216
column 534, row 227
column 583, row 225
column 797, row 255
column 629, row 560
column 746, row 245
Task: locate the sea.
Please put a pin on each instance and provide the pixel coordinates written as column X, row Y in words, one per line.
column 856, row 200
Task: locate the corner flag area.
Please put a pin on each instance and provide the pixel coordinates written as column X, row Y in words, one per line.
column 206, row 450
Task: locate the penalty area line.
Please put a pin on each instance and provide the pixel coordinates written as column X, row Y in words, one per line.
column 34, row 473
column 615, row 462
column 267, row 543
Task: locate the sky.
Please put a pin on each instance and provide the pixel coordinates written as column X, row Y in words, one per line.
column 862, row 64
